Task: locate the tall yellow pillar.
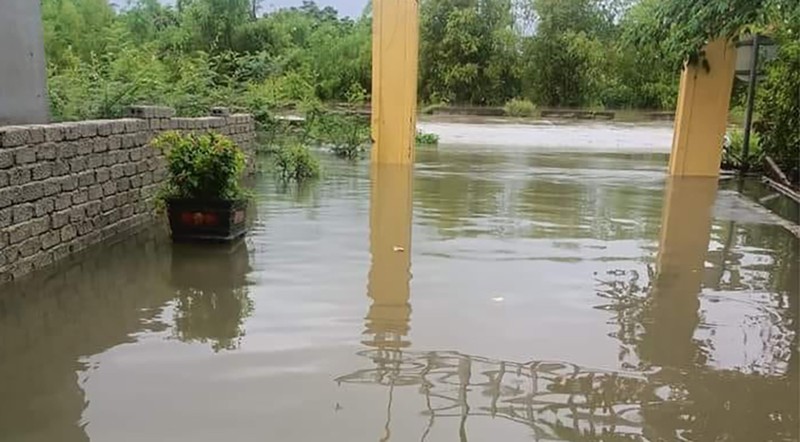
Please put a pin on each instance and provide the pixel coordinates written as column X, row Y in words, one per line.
column 702, row 112
column 395, row 48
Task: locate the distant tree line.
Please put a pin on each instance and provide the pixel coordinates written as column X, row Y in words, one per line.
column 553, row 53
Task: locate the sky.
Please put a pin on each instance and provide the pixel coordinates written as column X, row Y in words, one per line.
column 352, row 8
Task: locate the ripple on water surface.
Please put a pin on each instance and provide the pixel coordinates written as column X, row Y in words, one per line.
column 497, row 293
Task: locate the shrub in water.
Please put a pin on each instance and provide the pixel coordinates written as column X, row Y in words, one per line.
column 295, row 162
column 346, row 134
column 426, row 138
column 519, row 108
column 206, row 166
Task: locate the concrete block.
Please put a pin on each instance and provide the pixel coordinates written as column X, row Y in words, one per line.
column 59, row 219
column 47, row 151
column 77, row 214
column 123, row 184
column 109, row 188
column 44, row 206
column 108, row 203
column 133, row 125
column 13, row 136
column 117, row 171
column 54, row 132
column 77, row 164
column 72, row 131
column 9, row 196
column 42, row 171
column 25, row 155
column 20, row 232
column 118, row 126
column 105, row 127
column 86, row 178
column 5, row 217
column 130, row 169
column 52, row 186
column 68, row 233
column 22, row 213
column 50, row 239
column 4, row 180
column 80, row 196
column 36, row 133
column 88, row 128
column 100, row 144
column 67, row 150
column 20, row 175
column 93, row 208
column 95, row 161
column 85, row 146
column 9, row 254
column 60, row 168
column 6, row 159
column 95, row 192
column 102, row 174
column 85, row 227
column 30, row 246
column 69, row 183
column 32, row 192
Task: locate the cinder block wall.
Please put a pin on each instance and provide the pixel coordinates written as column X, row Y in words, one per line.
column 67, row 186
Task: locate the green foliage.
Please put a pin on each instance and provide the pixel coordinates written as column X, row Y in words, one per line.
column 294, row 162
column 779, row 107
column 519, row 107
column 426, row 138
column 346, row 134
column 206, row 166
column 733, row 154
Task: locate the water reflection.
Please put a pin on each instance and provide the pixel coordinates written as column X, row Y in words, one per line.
column 211, row 293
column 669, row 389
column 50, row 326
column 390, row 247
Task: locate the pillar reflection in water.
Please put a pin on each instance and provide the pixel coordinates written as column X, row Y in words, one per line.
column 685, row 230
column 387, row 322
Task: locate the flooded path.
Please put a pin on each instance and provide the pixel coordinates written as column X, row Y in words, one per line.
column 501, row 292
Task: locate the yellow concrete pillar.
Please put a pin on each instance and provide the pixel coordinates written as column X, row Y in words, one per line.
column 395, row 48
column 390, row 246
column 702, row 112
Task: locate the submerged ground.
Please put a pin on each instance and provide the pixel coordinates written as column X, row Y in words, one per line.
column 533, row 290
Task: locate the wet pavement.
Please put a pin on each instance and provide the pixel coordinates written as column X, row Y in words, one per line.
column 504, row 291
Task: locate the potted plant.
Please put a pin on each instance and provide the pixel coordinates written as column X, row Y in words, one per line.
column 203, row 195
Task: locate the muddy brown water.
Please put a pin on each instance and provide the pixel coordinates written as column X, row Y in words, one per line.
column 504, row 291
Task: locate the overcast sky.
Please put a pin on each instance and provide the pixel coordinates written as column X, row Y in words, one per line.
column 352, row 8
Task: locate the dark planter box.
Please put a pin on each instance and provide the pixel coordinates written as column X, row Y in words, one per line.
column 207, row 220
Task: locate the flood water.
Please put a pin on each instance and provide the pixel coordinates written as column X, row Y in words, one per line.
column 503, row 291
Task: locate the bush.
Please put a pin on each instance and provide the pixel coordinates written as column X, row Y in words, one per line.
column 295, row 162
column 346, row 134
column 733, row 157
column 426, row 138
column 206, row 166
column 779, row 108
column 519, row 108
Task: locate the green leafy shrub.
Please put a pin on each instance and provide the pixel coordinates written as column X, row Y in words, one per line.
column 733, row 156
column 779, row 107
column 294, row 162
column 427, row 138
column 519, row 108
column 206, row 166
column 346, row 134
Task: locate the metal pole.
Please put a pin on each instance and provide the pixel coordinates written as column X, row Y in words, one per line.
column 748, row 116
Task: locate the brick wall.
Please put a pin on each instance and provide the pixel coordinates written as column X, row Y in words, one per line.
column 67, row 186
